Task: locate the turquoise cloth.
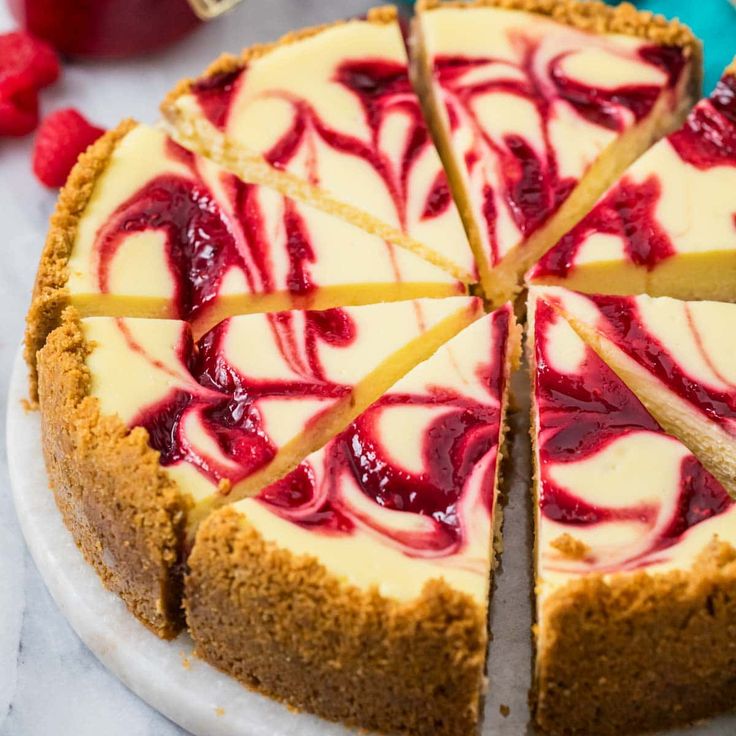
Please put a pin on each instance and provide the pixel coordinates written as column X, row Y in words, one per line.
column 713, row 21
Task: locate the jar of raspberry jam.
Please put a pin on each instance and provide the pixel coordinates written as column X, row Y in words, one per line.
column 113, row 28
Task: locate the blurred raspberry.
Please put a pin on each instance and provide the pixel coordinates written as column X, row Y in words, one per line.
column 19, row 113
column 63, row 135
column 26, row 63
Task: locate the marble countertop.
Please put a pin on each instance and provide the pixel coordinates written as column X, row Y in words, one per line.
column 49, row 682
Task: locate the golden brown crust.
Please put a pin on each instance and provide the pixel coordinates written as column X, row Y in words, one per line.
column 730, row 70
column 283, row 625
column 125, row 514
column 226, row 63
column 50, row 296
column 639, row 652
column 589, row 15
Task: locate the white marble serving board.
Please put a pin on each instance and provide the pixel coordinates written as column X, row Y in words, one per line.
column 199, row 698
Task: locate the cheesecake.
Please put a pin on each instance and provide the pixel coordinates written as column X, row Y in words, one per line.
column 635, row 553
column 329, row 116
column 211, row 421
column 667, row 227
column 273, row 389
column 144, row 228
column 678, row 357
column 357, row 586
column 538, row 106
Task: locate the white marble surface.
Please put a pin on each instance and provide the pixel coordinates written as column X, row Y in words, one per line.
column 50, row 683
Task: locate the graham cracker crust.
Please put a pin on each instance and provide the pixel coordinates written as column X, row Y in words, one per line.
column 284, row 626
column 126, row 515
column 639, row 652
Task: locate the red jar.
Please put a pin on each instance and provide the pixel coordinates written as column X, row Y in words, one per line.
column 106, row 28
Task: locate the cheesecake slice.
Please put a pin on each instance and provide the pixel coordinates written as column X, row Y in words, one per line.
column 635, row 553
column 678, row 357
column 357, row 586
column 205, row 423
column 144, row 228
column 668, row 227
column 329, row 116
column 537, row 107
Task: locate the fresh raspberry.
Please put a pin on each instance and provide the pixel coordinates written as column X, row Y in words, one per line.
column 63, row 135
column 19, row 113
column 26, row 63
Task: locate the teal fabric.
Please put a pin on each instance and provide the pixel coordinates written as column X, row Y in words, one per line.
column 713, row 21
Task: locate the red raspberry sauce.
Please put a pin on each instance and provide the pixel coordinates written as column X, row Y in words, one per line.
column 579, row 415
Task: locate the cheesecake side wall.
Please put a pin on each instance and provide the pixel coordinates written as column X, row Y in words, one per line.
column 284, row 626
column 639, row 652
column 125, row 514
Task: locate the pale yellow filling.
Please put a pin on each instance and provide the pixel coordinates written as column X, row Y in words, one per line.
column 135, row 364
column 699, row 335
column 265, row 106
column 695, row 211
column 365, row 557
column 347, row 265
column 595, row 156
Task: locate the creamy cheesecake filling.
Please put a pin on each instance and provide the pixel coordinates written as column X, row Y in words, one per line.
column 669, row 225
column 615, row 494
column 170, row 234
column 407, row 492
column 678, row 357
column 334, row 110
column 529, row 112
column 228, row 418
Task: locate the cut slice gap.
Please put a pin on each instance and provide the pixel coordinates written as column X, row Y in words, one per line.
column 419, row 543
column 633, row 535
column 328, row 116
column 678, row 357
column 488, row 151
column 667, row 226
column 143, row 228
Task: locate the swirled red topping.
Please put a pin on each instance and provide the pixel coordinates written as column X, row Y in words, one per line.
column 225, row 402
column 526, row 175
column 383, row 89
column 204, row 240
column 460, row 436
column 622, row 322
column 629, row 209
column 579, row 414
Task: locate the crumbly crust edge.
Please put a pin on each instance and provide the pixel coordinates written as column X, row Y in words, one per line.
column 126, row 515
column 50, row 296
column 268, row 618
column 679, row 621
column 590, row 15
column 381, row 15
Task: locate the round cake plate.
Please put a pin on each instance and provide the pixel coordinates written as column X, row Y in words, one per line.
column 198, row 697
